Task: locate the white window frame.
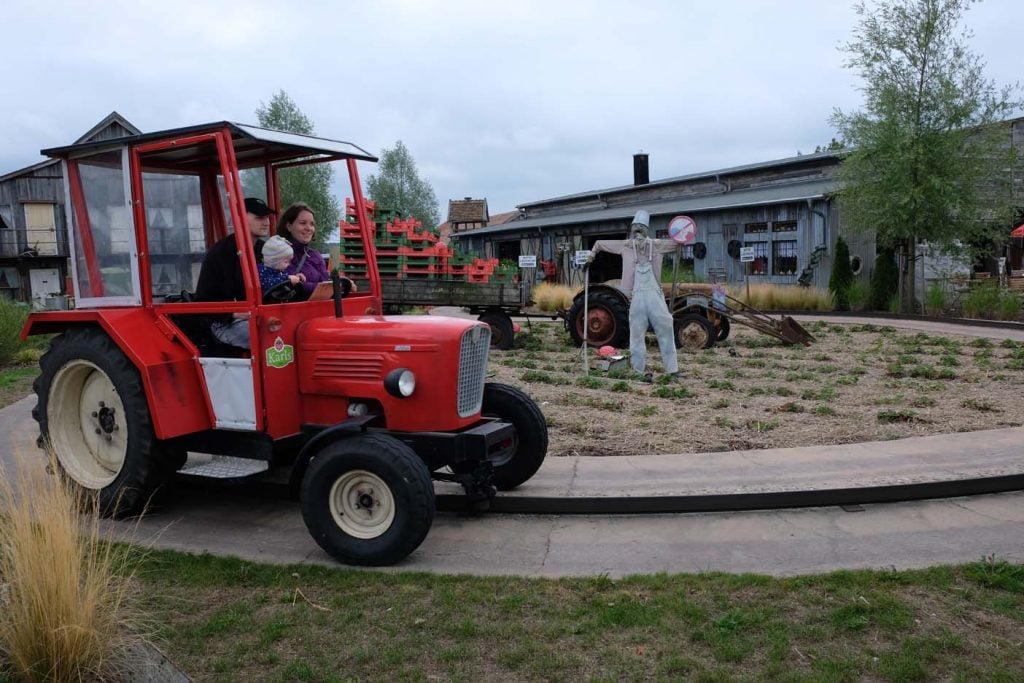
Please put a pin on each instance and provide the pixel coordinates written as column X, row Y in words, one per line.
column 135, row 298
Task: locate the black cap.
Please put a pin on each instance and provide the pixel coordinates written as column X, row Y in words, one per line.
column 257, row 207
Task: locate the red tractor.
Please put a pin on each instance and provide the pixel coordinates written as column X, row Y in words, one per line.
column 360, row 410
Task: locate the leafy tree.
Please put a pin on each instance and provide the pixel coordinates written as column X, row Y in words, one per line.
column 842, row 276
column 309, row 184
column 398, row 186
column 928, row 160
column 884, row 281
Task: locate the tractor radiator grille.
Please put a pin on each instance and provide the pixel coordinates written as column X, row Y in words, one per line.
column 348, row 367
column 476, row 344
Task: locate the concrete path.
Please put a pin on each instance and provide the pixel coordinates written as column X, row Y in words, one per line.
column 237, row 520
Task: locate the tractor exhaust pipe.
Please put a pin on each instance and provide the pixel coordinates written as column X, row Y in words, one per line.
column 336, row 293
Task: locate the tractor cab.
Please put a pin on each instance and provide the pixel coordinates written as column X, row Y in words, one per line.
column 361, row 410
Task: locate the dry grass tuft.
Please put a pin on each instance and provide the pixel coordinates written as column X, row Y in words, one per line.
column 63, row 615
column 768, row 297
column 551, row 298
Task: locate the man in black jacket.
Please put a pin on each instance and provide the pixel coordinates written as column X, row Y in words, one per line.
column 220, row 278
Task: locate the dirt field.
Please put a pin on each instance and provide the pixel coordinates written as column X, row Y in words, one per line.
column 855, row 383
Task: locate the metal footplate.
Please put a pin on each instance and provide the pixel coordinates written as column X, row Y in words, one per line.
column 222, row 466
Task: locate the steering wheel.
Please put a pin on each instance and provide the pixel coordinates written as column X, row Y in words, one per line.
column 280, row 293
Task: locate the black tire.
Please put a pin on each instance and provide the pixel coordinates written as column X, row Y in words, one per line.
column 694, row 331
column 608, row 317
column 93, row 416
column 723, row 328
column 531, row 438
column 502, row 332
column 346, row 475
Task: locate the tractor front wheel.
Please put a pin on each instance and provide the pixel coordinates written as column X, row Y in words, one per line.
column 694, row 331
column 93, row 416
column 368, row 499
column 530, row 443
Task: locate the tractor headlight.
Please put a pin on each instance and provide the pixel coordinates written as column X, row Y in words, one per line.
column 400, row 382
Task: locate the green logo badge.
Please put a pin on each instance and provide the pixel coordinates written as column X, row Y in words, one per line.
column 280, row 354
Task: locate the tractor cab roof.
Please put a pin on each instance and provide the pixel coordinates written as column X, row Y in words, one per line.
column 253, row 147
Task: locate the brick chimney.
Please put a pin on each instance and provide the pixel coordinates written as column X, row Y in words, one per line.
column 641, row 172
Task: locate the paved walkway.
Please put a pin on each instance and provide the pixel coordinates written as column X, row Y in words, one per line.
column 237, row 521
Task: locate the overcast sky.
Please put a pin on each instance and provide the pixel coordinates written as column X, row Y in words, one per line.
column 511, row 101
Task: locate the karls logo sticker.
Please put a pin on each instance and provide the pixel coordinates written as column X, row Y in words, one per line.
column 280, row 354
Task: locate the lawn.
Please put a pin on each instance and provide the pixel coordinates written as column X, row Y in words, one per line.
column 224, row 620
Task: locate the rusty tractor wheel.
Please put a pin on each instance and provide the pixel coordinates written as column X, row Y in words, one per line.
column 607, row 321
column 694, row 331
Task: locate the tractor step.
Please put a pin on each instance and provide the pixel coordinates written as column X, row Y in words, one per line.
column 222, row 466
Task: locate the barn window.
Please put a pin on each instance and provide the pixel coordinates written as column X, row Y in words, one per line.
column 784, row 226
column 41, row 228
column 760, row 263
column 784, row 257
column 755, row 228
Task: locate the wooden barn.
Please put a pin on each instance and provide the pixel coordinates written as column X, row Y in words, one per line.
column 33, row 226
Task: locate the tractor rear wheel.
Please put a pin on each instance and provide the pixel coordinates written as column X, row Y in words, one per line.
column 367, row 499
column 607, row 321
column 530, row 443
column 94, row 418
column 694, row 331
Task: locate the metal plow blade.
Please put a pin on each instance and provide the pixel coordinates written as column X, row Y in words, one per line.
column 793, row 332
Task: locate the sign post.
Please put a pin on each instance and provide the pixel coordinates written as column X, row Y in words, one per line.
column 682, row 230
column 747, row 257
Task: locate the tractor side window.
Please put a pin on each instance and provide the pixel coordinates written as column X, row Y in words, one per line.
column 175, row 229
column 105, row 263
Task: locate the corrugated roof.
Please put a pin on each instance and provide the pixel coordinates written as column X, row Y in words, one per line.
column 776, row 194
column 788, row 161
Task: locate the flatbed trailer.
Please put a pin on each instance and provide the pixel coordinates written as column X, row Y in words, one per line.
column 493, row 302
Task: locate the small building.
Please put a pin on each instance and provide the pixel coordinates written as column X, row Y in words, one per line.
column 784, row 210
column 33, row 225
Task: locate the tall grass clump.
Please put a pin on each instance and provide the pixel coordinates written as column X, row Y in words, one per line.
column 769, row 297
column 12, row 319
column 990, row 302
column 936, row 298
column 63, row 612
column 858, row 294
column 550, row 297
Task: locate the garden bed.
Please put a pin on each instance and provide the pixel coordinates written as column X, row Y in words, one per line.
column 855, row 383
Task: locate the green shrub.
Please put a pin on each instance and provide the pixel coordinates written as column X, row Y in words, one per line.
column 884, row 280
column 12, row 319
column 841, row 277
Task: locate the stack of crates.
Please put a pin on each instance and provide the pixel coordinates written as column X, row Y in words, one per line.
column 405, row 249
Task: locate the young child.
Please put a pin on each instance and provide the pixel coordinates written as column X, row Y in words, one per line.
column 277, row 256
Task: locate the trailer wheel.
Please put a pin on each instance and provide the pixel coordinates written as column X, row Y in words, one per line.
column 93, row 415
column 607, row 321
column 530, row 443
column 694, row 331
column 502, row 333
column 367, row 499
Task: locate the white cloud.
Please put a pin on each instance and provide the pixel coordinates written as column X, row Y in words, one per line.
column 514, row 101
